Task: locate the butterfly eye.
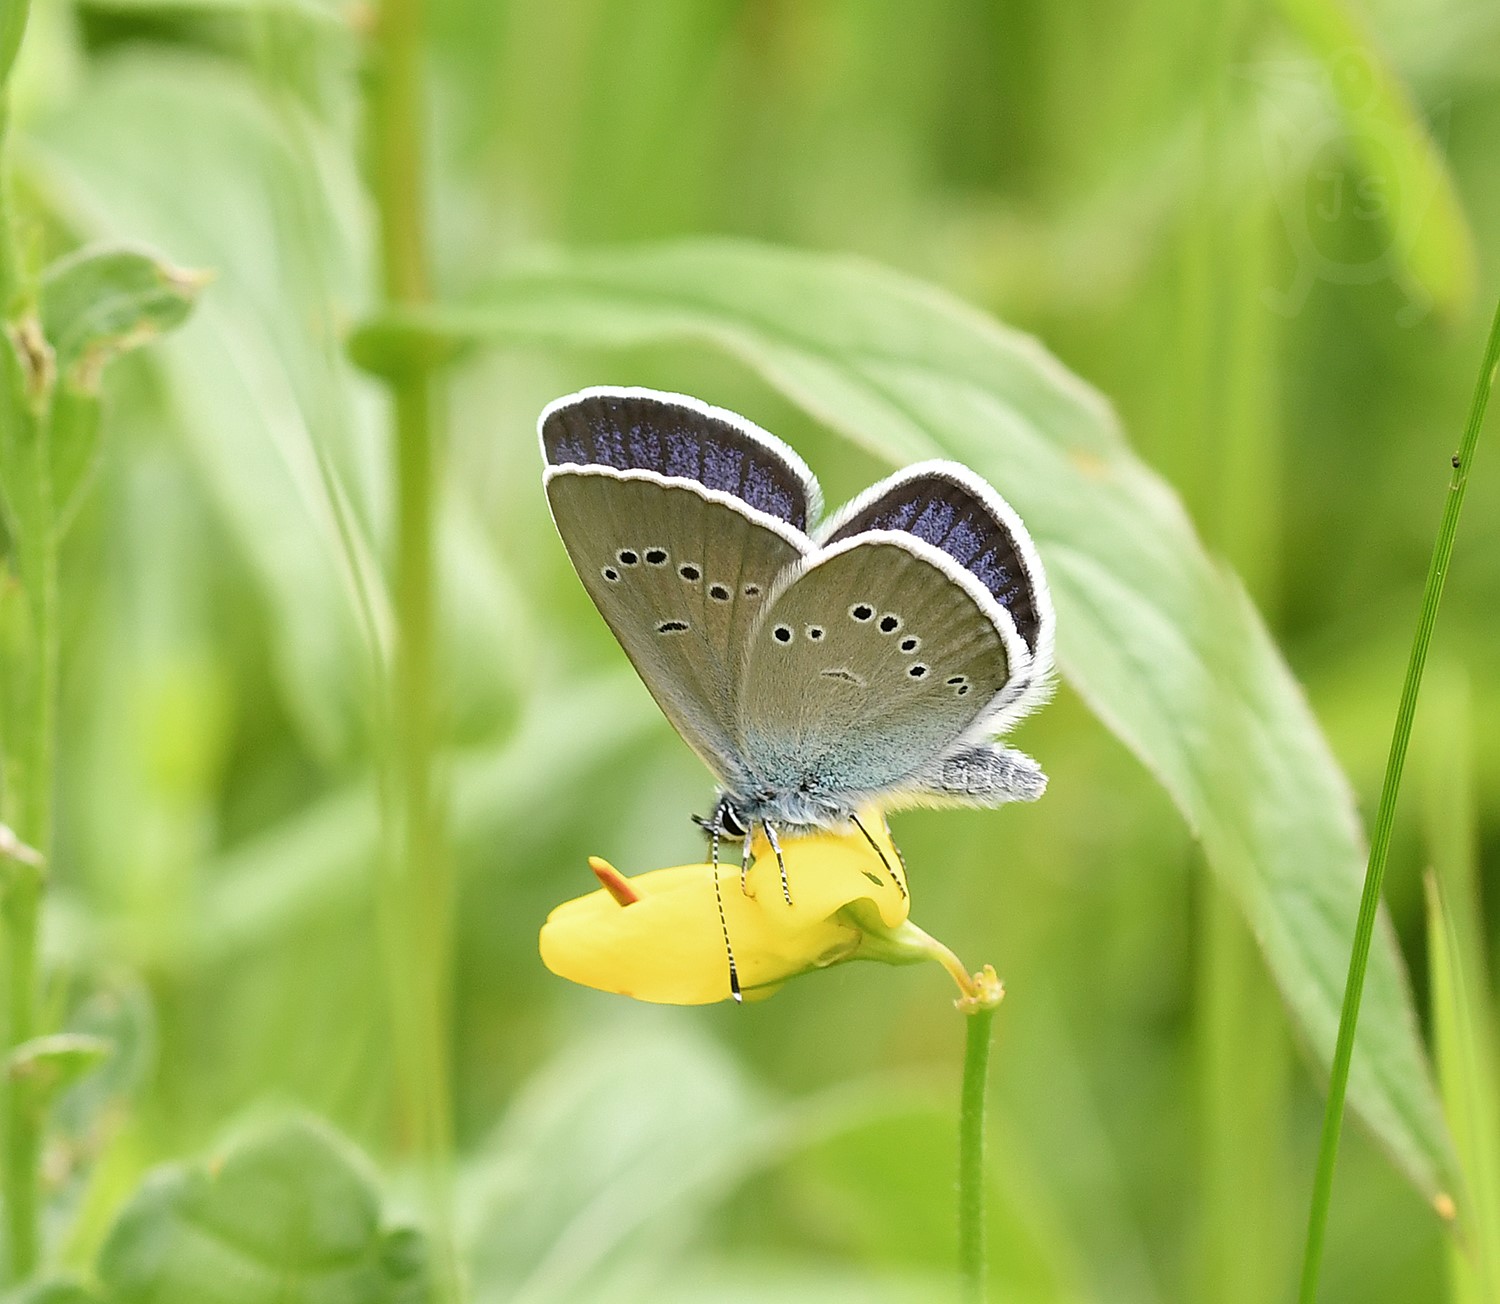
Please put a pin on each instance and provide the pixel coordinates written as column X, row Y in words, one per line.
column 689, row 572
column 611, row 574
column 862, row 611
column 917, row 671
column 910, row 643
column 627, row 557
column 656, row 556
column 782, row 634
column 890, row 623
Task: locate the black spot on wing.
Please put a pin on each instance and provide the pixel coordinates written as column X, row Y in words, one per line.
column 948, row 515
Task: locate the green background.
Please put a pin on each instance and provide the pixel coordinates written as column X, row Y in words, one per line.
column 1226, row 221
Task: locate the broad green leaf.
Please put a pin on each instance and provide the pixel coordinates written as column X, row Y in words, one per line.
column 98, row 303
column 287, row 1214
column 1156, row 636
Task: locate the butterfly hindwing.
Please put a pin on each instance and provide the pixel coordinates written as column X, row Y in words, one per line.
column 946, row 505
column 875, row 656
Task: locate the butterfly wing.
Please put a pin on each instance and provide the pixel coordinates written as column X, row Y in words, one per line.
column 946, row 505
column 678, row 518
column 923, row 623
column 875, row 656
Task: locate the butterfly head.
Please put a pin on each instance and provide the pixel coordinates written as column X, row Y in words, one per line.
column 725, row 820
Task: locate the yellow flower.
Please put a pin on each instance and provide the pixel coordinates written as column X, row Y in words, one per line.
column 658, row 936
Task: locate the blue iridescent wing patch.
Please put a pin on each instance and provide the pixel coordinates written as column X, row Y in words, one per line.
column 946, row 505
column 680, row 438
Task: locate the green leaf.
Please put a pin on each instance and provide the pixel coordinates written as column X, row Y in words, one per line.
column 1159, row 639
column 94, row 305
column 98, row 303
column 54, row 1063
column 287, row 1214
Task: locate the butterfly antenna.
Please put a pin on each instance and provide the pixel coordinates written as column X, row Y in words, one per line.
column 734, row 976
column 895, row 878
column 745, row 867
column 786, row 891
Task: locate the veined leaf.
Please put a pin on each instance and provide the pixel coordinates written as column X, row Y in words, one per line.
column 1157, row 637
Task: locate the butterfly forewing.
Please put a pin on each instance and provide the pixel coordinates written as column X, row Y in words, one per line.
column 679, row 568
column 873, row 659
column 681, row 438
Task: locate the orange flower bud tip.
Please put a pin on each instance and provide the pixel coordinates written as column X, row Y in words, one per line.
column 614, row 882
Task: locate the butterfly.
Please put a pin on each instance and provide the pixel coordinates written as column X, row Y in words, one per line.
column 817, row 667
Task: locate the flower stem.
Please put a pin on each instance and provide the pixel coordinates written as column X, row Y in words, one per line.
column 417, row 904
column 971, row 1257
column 1380, row 842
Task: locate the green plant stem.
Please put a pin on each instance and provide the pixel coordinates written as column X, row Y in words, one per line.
column 1385, row 815
column 36, row 552
column 971, row 1258
column 418, row 900
column 36, row 556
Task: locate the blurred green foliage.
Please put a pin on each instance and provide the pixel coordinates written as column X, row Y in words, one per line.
column 1232, row 220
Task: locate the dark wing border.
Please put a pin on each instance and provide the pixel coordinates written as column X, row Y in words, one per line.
column 678, row 437
column 905, row 489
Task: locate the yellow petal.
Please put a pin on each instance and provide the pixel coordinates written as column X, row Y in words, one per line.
column 667, row 946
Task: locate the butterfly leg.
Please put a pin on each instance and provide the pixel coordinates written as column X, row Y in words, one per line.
column 771, row 837
column 745, row 868
column 734, row 977
column 895, row 877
